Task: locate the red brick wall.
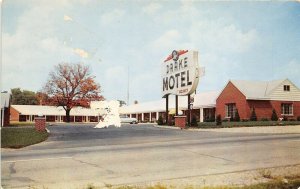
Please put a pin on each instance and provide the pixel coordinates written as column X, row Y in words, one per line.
column 231, row 94
column 296, row 108
column 14, row 114
column 263, row 108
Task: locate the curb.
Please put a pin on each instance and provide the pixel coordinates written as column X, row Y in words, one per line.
column 167, row 127
column 48, row 131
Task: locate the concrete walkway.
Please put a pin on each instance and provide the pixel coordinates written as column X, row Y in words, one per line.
column 267, row 130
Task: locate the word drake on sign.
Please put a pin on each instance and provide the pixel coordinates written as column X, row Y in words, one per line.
column 180, row 73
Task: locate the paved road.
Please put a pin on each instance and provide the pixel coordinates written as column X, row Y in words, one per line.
column 74, row 156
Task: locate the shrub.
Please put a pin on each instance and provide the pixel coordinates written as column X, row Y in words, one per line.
column 219, row 120
column 285, row 118
column 274, row 116
column 224, row 120
column 245, row 120
column 298, row 118
column 194, row 121
column 253, row 116
column 160, row 120
column 212, row 119
column 292, row 120
column 237, row 116
column 264, row 119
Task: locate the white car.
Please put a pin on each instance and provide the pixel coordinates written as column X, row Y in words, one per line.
column 125, row 119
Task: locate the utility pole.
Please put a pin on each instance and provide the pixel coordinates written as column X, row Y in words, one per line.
column 127, row 85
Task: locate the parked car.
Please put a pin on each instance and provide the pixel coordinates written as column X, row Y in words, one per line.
column 126, row 119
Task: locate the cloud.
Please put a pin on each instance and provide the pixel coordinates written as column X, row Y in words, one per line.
column 151, row 8
column 218, row 37
column 112, row 16
column 82, row 53
column 167, row 41
column 31, row 51
column 67, row 18
column 290, row 70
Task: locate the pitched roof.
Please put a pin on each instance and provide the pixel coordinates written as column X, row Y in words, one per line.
column 204, row 99
column 5, row 97
column 256, row 89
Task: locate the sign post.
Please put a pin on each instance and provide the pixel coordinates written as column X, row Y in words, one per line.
column 180, row 77
column 167, row 109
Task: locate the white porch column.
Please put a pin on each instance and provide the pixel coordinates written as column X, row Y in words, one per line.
column 157, row 115
column 2, row 117
column 150, row 116
column 130, row 115
column 201, row 115
column 142, row 116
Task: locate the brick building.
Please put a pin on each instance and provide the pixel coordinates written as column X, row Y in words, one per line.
column 281, row 95
column 5, row 109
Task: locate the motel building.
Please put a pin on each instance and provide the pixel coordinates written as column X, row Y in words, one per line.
column 27, row 113
column 203, row 108
column 263, row 96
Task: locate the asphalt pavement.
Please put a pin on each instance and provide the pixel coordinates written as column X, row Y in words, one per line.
column 75, row 156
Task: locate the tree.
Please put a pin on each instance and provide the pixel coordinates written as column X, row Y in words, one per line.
column 160, row 120
column 237, row 116
column 43, row 98
column 274, row 116
column 122, row 103
column 24, row 97
column 71, row 85
column 253, row 116
column 219, row 120
column 194, row 121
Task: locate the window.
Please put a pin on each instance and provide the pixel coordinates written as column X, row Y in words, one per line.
column 286, row 87
column 286, row 109
column 230, row 110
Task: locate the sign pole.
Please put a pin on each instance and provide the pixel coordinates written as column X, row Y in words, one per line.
column 176, row 104
column 189, row 110
column 167, row 109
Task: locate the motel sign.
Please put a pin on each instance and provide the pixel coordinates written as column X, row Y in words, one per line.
column 180, row 73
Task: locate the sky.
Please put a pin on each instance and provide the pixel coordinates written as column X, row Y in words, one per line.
column 125, row 41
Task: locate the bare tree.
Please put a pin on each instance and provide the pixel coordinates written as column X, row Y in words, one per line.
column 71, row 85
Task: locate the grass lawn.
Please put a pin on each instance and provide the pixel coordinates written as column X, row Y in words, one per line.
column 21, row 137
column 282, row 183
column 246, row 124
column 19, row 124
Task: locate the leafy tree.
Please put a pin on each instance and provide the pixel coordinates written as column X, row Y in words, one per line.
column 43, row 98
column 71, row 85
column 24, row 97
column 194, row 121
column 274, row 116
column 219, row 120
column 160, row 120
column 253, row 116
column 237, row 116
column 122, row 103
